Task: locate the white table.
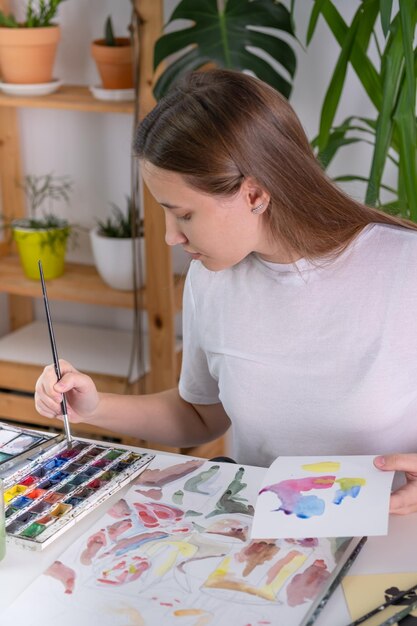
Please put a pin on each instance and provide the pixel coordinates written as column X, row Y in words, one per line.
column 396, row 552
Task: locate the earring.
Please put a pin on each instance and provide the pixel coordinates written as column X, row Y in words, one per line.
column 258, row 209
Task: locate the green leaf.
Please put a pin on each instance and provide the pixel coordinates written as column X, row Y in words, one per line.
column 392, row 72
column 385, row 10
column 336, row 84
column 362, row 65
column 229, row 38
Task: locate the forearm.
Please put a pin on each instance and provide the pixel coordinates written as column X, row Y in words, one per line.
column 161, row 417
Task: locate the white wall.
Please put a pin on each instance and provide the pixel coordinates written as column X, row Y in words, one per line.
column 94, row 149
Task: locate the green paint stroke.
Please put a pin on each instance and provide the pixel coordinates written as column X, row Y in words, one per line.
column 230, row 502
column 178, row 497
column 191, row 513
column 193, row 483
column 347, row 483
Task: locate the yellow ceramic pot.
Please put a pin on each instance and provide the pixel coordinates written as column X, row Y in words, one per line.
column 48, row 246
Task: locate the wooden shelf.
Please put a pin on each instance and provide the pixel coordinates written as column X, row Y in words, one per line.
column 69, row 97
column 80, row 283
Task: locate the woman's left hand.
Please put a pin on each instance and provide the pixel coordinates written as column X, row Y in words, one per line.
column 404, row 500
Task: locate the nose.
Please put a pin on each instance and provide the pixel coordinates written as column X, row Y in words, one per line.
column 173, row 234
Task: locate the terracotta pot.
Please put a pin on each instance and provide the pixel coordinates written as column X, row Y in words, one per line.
column 114, row 63
column 27, row 55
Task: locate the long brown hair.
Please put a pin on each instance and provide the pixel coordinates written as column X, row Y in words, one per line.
column 219, row 127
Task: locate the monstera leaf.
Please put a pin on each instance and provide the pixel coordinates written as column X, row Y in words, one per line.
column 230, row 37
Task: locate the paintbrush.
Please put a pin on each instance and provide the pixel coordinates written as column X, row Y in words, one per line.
column 397, row 617
column 55, row 355
column 383, row 606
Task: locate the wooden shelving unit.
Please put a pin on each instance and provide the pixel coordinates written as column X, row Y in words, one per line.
column 80, row 283
column 162, row 295
column 73, row 97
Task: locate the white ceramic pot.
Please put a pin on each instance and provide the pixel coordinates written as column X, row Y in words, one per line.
column 113, row 258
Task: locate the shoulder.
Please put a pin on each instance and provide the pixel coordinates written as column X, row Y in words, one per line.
column 384, row 241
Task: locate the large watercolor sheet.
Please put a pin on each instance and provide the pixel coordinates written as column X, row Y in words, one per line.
column 323, row 497
column 176, row 550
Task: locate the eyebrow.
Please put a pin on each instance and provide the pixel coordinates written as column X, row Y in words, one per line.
column 167, row 205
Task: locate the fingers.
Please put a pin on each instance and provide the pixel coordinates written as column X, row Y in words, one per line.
column 404, row 500
column 398, row 462
column 48, row 397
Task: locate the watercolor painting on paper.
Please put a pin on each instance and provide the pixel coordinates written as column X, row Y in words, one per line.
column 323, row 497
column 176, row 549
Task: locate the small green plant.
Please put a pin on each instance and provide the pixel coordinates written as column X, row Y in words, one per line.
column 122, row 225
column 35, row 17
column 109, row 37
column 42, row 191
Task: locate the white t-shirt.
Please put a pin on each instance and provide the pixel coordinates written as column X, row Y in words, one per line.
column 309, row 359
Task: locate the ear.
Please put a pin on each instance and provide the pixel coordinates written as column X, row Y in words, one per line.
column 256, row 197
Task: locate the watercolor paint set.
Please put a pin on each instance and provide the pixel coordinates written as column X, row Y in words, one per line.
column 16, row 444
column 48, row 491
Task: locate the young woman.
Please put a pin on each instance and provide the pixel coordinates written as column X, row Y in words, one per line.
column 300, row 303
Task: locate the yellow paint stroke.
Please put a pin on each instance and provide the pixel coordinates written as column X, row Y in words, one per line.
column 323, row 466
column 205, row 616
column 183, row 548
column 135, row 618
column 270, row 591
column 221, row 578
column 348, row 483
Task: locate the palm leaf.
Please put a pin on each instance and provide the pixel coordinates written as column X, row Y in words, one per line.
column 229, row 38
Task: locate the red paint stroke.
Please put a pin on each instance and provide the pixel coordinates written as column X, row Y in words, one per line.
column 119, row 528
column 229, row 528
column 307, row 542
column 256, row 553
column 120, row 509
column 94, row 544
column 126, row 571
column 155, row 494
column 160, row 477
column 306, row 585
column 151, row 514
column 64, row 574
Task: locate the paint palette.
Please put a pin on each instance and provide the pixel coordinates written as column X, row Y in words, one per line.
column 16, row 443
column 49, row 493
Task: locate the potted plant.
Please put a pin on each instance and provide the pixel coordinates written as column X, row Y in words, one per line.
column 114, row 59
column 115, row 242
column 42, row 235
column 389, row 79
column 28, row 48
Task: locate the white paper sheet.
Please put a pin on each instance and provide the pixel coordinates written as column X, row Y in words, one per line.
column 175, row 550
column 342, row 496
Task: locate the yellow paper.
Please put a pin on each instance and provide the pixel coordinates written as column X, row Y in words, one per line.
column 364, row 593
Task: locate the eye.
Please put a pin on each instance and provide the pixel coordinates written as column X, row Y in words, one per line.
column 184, row 218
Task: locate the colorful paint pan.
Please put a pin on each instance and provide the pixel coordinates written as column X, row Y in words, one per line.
column 49, row 492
